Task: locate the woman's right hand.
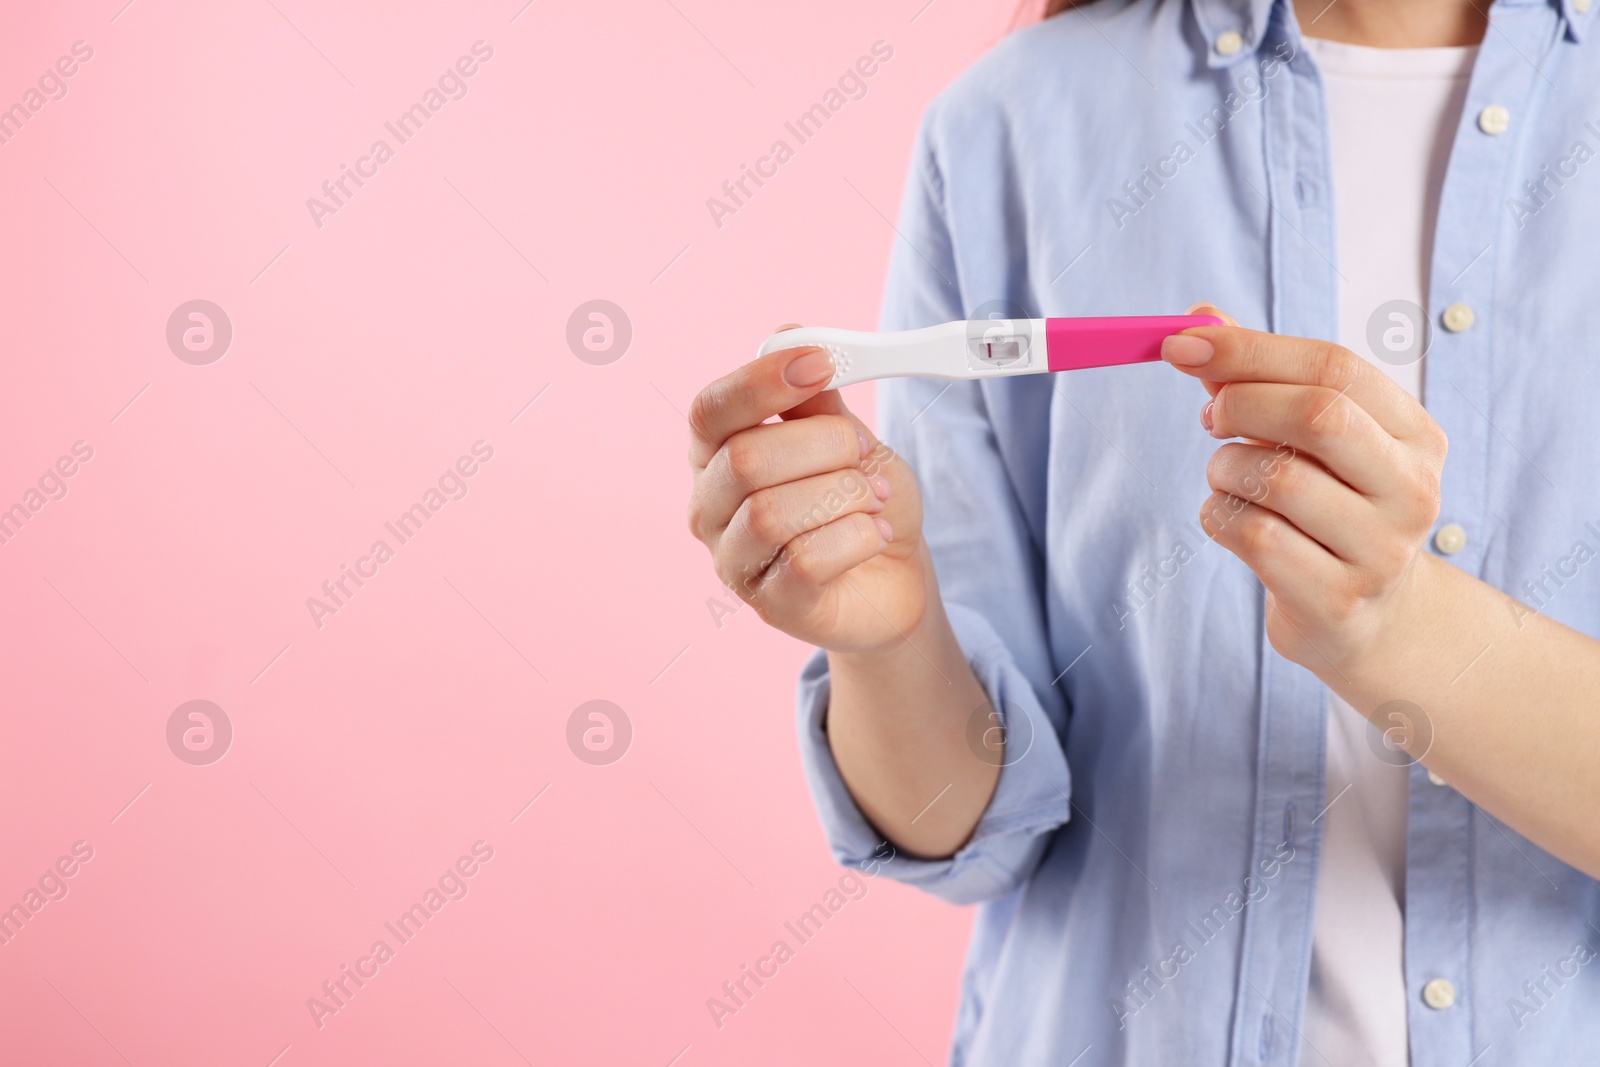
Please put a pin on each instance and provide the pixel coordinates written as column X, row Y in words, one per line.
column 810, row 520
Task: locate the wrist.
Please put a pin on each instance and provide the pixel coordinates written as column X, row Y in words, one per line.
column 929, row 643
column 1389, row 663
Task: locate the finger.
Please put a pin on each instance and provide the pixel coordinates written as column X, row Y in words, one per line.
column 817, row 557
column 1291, row 565
column 824, row 403
column 753, row 394
column 769, row 455
column 829, row 402
column 1327, row 425
column 1299, row 489
column 768, row 520
column 1228, row 354
column 1206, row 307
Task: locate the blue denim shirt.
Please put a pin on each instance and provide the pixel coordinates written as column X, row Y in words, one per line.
column 1146, row 870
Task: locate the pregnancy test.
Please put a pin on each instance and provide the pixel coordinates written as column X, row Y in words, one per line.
column 988, row 348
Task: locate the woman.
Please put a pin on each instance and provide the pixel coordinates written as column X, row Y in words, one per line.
column 1306, row 777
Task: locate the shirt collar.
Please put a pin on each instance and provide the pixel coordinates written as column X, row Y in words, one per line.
column 1250, row 19
column 1577, row 21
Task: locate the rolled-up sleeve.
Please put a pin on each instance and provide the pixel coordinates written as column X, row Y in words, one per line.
column 991, row 577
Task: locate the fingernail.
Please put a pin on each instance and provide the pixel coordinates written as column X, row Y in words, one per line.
column 861, row 439
column 1205, row 414
column 813, row 368
column 1186, row 350
column 881, row 487
column 884, row 528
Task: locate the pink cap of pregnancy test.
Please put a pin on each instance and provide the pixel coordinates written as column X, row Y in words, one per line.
column 1076, row 344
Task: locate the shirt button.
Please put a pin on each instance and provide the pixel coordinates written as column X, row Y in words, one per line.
column 1435, row 779
column 1439, row 994
column 1228, row 42
column 1494, row 119
column 1458, row 317
column 1450, row 539
column 1580, row 6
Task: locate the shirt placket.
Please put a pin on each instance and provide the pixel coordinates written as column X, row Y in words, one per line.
column 1293, row 186
column 1470, row 239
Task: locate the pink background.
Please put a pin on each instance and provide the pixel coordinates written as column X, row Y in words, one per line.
column 367, row 355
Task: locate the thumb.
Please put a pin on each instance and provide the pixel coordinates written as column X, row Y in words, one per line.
column 828, row 402
column 831, row 402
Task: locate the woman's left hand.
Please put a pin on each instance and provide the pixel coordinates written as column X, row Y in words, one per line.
column 1331, row 491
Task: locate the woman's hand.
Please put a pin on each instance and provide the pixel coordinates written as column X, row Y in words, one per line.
column 1330, row 492
column 810, row 520
column 1328, row 499
column 818, row 526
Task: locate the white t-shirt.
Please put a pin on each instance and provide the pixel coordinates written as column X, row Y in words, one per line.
column 1392, row 115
